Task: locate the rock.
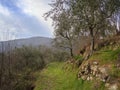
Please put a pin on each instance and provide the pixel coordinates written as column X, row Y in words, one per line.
column 91, row 78
column 94, row 70
column 88, row 78
column 104, row 74
column 82, row 67
column 98, row 76
column 95, row 63
column 84, row 77
column 103, row 70
column 103, row 80
column 113, row 87
column 90, row 71
column 107, row 85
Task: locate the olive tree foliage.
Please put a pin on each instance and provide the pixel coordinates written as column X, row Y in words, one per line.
column 93, row 15
column 64, row 35
column 83, row 17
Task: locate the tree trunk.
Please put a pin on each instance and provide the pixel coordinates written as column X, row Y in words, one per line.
column 92, row 41
column 71, row 52
column 92, row 44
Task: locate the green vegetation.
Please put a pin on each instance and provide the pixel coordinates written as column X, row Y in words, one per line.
column 106, row 56
column 115, row 72
column 78, row 57
column 21, row 64
column 55, row 77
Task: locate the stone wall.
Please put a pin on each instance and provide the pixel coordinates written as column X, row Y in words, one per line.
column 93, row 71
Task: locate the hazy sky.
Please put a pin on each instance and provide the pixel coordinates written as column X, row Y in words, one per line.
column 24, row 18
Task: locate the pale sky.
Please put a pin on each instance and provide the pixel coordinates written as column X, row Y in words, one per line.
column 24, row 18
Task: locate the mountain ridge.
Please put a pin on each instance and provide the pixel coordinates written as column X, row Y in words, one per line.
column 33, row 41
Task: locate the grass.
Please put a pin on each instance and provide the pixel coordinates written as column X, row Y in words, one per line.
column 115, row 72
column 106, row 56
column 54, row 77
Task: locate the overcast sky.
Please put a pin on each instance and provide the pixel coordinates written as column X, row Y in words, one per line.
column 24, row 18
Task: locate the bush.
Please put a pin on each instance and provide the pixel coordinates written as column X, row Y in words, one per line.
column 21, row 63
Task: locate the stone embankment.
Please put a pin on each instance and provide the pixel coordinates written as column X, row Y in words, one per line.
column 93, row 71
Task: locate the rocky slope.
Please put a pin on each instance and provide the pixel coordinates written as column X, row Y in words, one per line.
column 93, row 71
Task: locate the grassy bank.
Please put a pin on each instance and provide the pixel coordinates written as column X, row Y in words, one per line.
column 54, row 77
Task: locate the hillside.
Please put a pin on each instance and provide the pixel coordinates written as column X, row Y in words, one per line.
column 66, row 76
column 55, row 77
column 34, row 42
column 46, row 69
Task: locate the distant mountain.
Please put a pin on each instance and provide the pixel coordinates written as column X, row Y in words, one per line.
column 34, row 42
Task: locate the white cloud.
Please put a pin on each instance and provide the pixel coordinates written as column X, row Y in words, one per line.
column 4, row 11
column 10, row 25
column 36, row 8
column 6, row 29
column 13, row 25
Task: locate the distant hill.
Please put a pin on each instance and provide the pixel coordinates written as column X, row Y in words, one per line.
column 34, row 42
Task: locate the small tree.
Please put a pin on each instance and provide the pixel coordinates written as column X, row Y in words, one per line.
column 94, row 15
column 64, row 36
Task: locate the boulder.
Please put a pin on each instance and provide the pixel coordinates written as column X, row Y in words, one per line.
column 90, row 71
